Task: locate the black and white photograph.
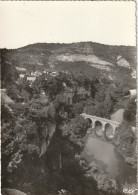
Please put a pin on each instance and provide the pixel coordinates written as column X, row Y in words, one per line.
column 68, row 97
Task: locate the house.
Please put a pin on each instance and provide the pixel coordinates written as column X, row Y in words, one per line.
column 53, row 74
column 32, row 74
column 21, row 76
column 23, row 70
column 31, row 78
column 132, row 91
column 38, row 73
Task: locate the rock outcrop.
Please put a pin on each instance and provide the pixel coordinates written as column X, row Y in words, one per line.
column 8, row 191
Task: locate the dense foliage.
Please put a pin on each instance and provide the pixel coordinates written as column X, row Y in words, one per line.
column 8, row 72
column 130, row 111
column 40, row 140
column 125, row 141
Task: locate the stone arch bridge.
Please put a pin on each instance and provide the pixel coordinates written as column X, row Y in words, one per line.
column 102, row 127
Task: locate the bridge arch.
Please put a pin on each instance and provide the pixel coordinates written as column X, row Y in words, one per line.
column 98, row 128
column 90, row 122
column 109, row 131
column 101, row 125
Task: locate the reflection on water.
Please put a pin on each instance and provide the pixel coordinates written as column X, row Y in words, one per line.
column 98, row 130
column 109, row 131
column 101, row 151
column 112, row 162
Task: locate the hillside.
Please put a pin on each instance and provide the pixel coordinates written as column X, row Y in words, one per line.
column 114, row 62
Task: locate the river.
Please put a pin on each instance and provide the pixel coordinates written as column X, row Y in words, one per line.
column 105, row 152
column 118, row 115
column 113, row 162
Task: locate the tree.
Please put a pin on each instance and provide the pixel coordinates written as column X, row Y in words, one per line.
column 8, row 72
column 130, row 112
column 77, row 108
column 22, row 139
column 76, row 129
column 108, row 106
column 125, row 142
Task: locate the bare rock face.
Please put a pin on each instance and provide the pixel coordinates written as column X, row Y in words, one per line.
column 5, row 98
column 123, row 62
column 8, row 191
column 48, row 132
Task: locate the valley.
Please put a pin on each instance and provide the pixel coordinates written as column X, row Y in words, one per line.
column 48, row 146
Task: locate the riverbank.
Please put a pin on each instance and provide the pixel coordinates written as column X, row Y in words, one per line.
column 104, row 157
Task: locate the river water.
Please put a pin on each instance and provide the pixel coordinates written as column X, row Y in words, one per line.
column 112, row 161
column 105, row 152
column 118, row 115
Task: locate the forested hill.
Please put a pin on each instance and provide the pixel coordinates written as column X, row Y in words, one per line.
column 117, row 63
column 41, row 52
column 105, row 52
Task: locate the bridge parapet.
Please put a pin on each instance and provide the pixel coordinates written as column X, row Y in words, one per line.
column 103, row 121
column 99, row 119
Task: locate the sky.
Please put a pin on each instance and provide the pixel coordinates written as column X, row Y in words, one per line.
column 27, row 22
